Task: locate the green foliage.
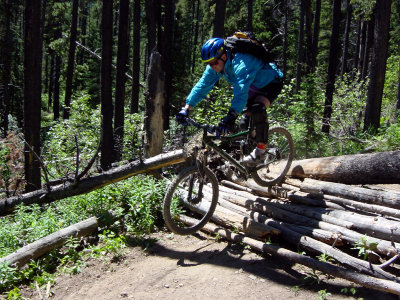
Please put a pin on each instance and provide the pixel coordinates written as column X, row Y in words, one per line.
column 325, row 258
column 364, row 247
column 215, row 107
column 312, row 277
column 142, row 199
column 110, row 243
column 8, row 275
column 82, row 129
column 351, row 291
column 388, row 114
column 323, row 294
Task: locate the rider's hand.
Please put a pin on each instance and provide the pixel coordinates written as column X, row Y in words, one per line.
column 227, row 123
column 182, row 115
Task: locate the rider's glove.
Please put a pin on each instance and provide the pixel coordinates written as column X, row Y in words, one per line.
column 182, row 115
column 227, row 123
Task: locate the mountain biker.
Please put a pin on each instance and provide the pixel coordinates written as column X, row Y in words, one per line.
column 255, row 86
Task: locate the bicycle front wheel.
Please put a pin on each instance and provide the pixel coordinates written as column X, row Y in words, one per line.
column 190, row 200
column 279, row 157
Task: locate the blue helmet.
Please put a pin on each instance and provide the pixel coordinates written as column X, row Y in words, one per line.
column 212, row 49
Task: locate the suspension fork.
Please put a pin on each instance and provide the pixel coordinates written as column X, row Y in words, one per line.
column 200, row 165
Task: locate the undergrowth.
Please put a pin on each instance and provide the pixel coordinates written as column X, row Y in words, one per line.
column 137, row 200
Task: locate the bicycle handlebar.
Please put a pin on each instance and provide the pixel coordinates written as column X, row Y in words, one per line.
column 209, row 128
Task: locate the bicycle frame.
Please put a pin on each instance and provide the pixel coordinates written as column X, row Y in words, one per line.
column 209, row 141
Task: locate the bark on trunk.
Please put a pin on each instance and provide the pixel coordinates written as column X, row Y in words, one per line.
column 155, row 101
column 89, row 184
column 44, row 245
column 382, row 167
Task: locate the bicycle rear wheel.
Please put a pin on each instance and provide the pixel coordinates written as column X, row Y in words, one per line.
column 192, row 195
column 279, row 157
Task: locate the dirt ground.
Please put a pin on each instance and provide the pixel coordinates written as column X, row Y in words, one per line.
column 197, row 267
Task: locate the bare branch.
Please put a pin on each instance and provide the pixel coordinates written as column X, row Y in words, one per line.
column 40, row 161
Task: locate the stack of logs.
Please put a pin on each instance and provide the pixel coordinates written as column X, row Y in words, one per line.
column 356, row 226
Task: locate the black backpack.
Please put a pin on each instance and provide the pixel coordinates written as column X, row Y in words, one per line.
column 246, row 42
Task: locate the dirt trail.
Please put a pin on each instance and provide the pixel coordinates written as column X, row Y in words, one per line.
column 197, row 267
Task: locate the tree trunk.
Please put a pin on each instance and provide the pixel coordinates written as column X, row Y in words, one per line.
column 155, row 102
column 89, row 184
column 151, row 27
column 358, row 43
column 398, row 96
column 195, row 53
column 32, row 94
column 378, row 66
column 250, row 15
column 57, row 73
column 285, row 37
column 364, row 195
column 107, row 139
column 310, row 69
column 361, row 50
column 167, row 57
column 122, row 60
column 343, row 69
column 315, row 38
column 381, row 167
column 369, row 40
column 51, row 81
column 6, row 50
column 136, row 58
column 333, row 64
column 71, row 60
column 83, row 22
column 219, row 19
column 44, row 245
column 300, row 49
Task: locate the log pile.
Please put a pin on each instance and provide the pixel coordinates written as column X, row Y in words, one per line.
column 357, row 227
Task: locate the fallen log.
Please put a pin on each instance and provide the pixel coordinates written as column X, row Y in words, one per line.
column 382, row 167
column 319, row 247
column 371, row 225
column 361, row 279
column 274, row 208
column 87, row 185
column 384, row 198
column 319, row 234
column 44, row 245
column 232, row 218
column 346, row 204
column 260, row 205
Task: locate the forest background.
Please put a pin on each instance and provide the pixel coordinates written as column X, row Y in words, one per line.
column 61, row 97
column 347, row 50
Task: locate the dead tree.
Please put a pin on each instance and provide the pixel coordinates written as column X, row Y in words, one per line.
column 155, row 101
column 382, row 167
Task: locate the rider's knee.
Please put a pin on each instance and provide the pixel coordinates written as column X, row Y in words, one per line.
column 259, row 112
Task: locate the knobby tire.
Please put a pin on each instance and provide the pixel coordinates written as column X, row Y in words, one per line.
column 178, row 189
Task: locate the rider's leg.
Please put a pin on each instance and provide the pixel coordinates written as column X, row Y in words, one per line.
column 259, row 114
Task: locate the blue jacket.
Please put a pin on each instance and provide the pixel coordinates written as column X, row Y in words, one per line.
column 243, row 71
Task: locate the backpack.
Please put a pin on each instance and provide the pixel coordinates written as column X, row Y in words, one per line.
column 246, row 42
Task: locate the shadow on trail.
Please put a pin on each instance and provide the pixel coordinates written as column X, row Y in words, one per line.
column 267, row 268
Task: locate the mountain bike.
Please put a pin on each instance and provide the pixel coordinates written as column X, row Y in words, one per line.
column 193, row 195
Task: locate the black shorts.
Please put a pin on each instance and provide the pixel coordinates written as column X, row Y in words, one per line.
column 271, row 91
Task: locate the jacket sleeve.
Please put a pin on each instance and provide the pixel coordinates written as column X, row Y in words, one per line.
column 203, row 86
column 245, row 68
